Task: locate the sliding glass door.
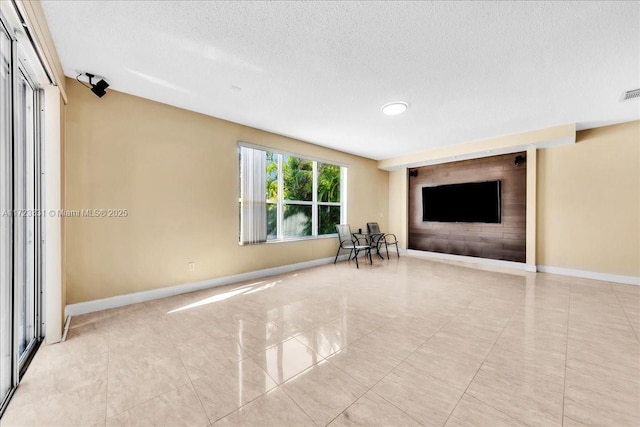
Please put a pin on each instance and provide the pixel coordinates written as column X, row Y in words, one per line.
column 20, row 216
column 27, row 219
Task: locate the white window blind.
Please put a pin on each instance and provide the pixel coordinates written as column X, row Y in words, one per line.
column 253, row 200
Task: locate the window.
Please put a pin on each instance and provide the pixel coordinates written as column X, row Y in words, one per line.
column 285, row 197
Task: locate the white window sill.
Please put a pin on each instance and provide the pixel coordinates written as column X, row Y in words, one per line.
column 294, row 239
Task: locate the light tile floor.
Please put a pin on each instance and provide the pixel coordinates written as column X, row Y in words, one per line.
column 404, row 342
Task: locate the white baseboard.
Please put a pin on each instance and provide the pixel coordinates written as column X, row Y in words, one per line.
column 493, row 263
column 472, row 261
column 585, row 274
column 122, row 300
column 531, row 268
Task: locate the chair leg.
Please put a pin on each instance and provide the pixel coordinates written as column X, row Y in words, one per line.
column 337, row 253
column 397, row 250
column 356, row 258
column 386, row 246
column 370, row 260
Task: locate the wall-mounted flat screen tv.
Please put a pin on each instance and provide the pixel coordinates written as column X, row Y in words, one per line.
column 465, row 202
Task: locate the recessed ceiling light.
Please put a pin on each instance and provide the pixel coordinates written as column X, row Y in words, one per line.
column 394, row 108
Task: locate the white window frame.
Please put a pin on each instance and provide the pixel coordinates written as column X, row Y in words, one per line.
column 314, row 203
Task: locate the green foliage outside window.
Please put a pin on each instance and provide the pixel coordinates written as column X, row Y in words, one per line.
column 328, row 217
column 297, row 175
column 328, row 183
column 328, row 191
column 297, row 186
column 272, row 176
column 298, row 179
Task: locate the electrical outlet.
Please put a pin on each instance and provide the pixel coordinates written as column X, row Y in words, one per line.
column 192, row 266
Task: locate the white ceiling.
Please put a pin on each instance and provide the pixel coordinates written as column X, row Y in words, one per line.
column 320, row 71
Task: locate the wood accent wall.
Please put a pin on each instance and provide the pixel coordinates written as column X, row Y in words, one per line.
column 504, row 241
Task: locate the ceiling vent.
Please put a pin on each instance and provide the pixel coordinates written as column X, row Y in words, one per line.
column 632, row 94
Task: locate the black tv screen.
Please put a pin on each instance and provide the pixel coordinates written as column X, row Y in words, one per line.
column 466, row 202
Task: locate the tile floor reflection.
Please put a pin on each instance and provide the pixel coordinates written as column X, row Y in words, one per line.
column 404, row 342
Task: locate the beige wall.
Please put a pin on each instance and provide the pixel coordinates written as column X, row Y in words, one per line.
column 589, row 202
column 177, row 173
column 398, row 206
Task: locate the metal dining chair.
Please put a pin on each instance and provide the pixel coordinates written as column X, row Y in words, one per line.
column 381, row 238
column 351, row 243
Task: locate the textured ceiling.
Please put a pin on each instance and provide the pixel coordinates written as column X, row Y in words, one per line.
column 320, row 71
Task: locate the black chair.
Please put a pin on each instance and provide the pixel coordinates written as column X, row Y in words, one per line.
column 378, row 238
column 349, row 242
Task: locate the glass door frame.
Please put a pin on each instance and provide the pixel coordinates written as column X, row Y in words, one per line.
column 18, row 187
column 7, row 280
column 31, row 212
